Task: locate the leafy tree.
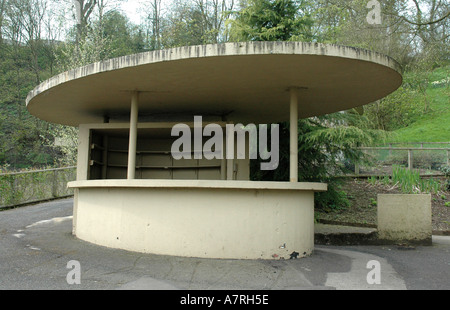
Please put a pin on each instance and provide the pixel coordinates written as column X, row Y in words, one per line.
column 83, row 10
column 398, row 110
column 90, row 48
column 122, row 37
column 184, row 26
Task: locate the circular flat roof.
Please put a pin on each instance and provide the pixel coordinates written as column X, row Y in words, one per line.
column 240, row 82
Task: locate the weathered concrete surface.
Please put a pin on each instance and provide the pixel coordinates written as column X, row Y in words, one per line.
column 404, row 218
column 198, row 218
column 227, row 82
column 36, row 244
column 325, row 234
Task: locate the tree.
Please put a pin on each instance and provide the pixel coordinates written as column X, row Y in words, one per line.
column 213, row 14
column 2, row 11
column 104, row 6
column 122, row 37
column 271, row 20
column 154, row 19
column 83, row 10
column 412, row 32
column 183, row 26
column 323, row 141
column 189, row 23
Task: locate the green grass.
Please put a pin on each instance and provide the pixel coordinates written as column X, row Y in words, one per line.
column 433, row 126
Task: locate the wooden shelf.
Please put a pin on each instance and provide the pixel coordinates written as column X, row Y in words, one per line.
column 117, row 166
column 118, row 151
column 168, row 167
column 95, row 162
column 96, row 146
column 150, row 152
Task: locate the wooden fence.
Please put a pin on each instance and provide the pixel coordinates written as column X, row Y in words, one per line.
column 410, row 158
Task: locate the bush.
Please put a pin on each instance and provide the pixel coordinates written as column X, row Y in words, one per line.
column 397, row 158
column 333, row 198
column 428, row 159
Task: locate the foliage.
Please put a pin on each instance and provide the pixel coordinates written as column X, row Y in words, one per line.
column 184, row 27
column 122, row 38
column 271, row 20
column 433, row 125
column 398, row 110
column 89, row 49
column 113, row 36
column 323, row 143
column 446, row 171
column 410, row 181
column 189, row 23
column 65, row 142
column 17, row 188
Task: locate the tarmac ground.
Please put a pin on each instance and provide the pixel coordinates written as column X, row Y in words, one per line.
column 39, row 252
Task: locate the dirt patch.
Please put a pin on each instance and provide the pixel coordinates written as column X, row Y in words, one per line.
column 362, row 211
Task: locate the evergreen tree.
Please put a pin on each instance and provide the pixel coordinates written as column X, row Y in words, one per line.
column 323, row 141
column 271, row 20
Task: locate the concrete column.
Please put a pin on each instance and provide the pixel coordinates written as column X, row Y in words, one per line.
column 223, row 163
column 294, row 135
column 230, row 151
column 133, row 136
column 84, row 147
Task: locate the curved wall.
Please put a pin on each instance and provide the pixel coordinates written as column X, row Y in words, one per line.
column 255, row 221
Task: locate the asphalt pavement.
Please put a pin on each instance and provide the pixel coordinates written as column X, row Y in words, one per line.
column 38, row 251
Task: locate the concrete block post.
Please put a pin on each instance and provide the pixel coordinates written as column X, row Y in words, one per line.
column 404, row 218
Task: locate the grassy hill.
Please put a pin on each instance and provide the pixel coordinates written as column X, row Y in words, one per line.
column 433, row 126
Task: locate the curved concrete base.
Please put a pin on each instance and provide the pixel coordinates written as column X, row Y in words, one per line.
column 206, row 219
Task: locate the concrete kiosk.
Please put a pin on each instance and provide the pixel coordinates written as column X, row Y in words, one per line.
column 131, row 193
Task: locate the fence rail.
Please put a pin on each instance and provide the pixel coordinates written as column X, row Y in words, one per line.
column 429, row 158
column 18, row 188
